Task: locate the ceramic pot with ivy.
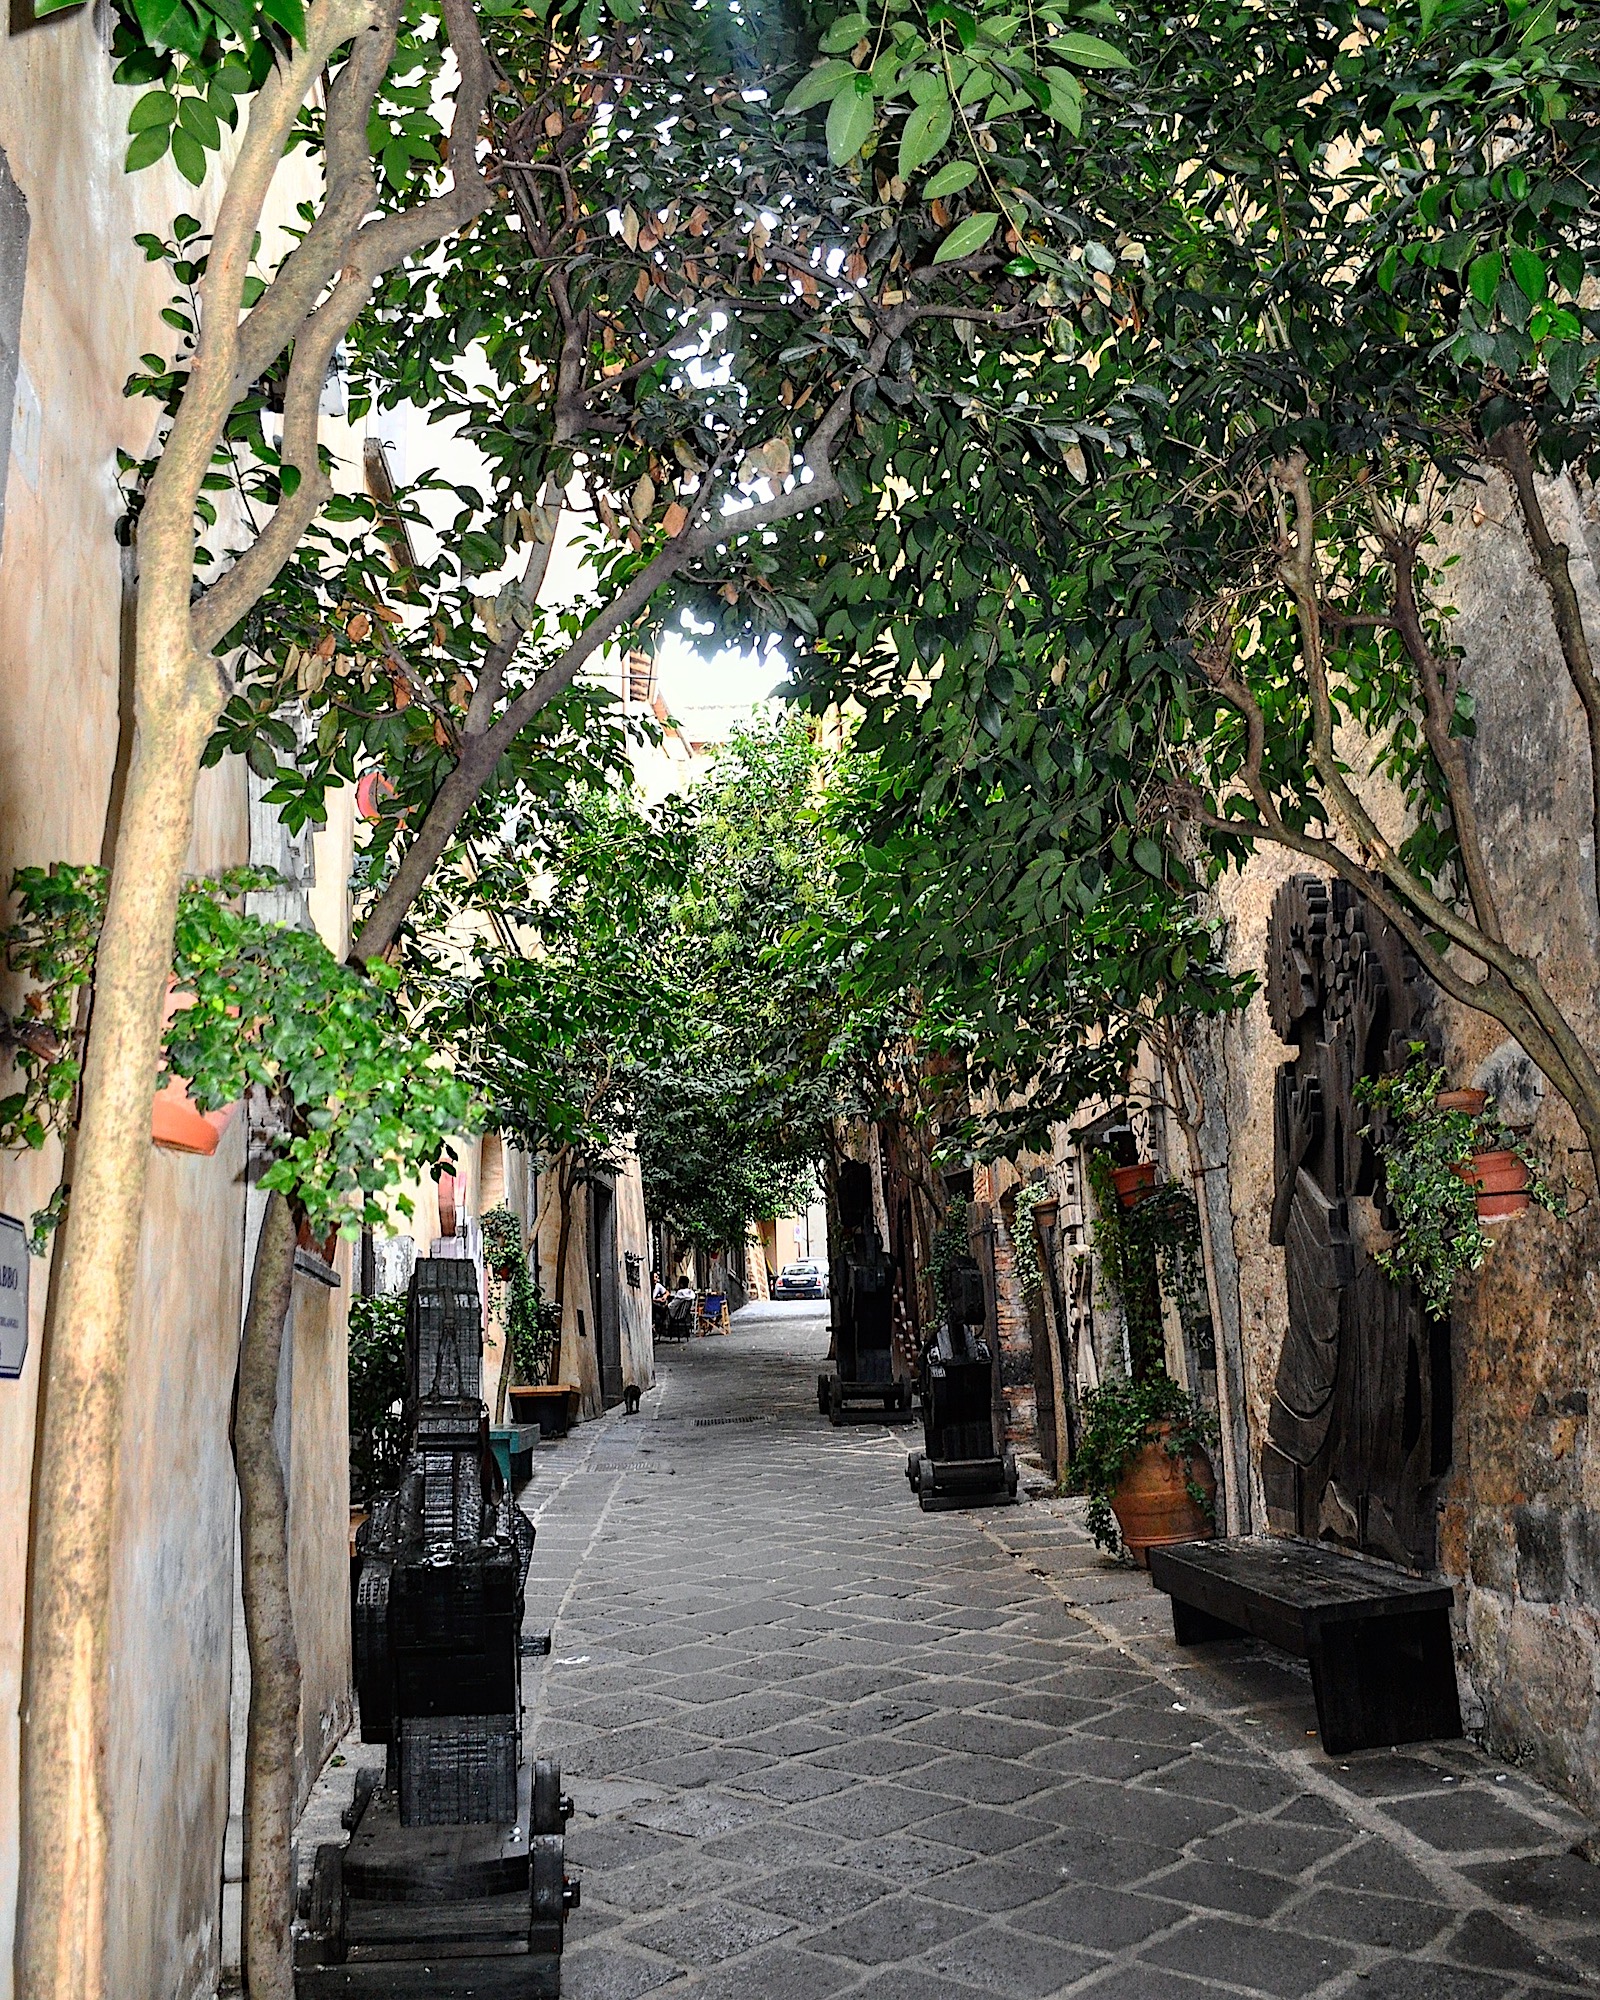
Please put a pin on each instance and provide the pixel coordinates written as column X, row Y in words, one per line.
column 1165, row 1496
column 1145, row 1463
column 1449, row 1167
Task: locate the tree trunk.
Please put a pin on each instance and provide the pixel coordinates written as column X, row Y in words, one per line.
column 274, row 1725
column 61, row 1917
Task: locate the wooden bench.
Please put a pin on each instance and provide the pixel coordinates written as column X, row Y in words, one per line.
column 1377, row 1640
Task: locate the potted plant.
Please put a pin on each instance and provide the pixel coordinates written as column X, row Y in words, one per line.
column 1449, row 1166
column 1133, row 1183
column 1145, row 1463
column 502, row 1242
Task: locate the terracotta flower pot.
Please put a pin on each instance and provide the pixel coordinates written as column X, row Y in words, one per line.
column 323, row 1249
column 1469, row 1101
column 372, row 788
column 1134, row 1183
column 1152, row 1501
column 176, row 1121
column 1501, row 1181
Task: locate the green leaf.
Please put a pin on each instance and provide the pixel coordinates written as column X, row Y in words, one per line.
column 1066, row 99
column 1483, row 277
column 1565, row 366
column 950, row 180
column 148, row 147
column 850, row 119
column 926, row 131
column 156, row 107
column 844, row 34
column 188, row 155
column 289, row 481
column 967, row 236
column 1528, row 269
column 1088, row 52
column 199, row 120
column 817, row 85
column 289, row 14
column 155, row 18
column 1148, row 855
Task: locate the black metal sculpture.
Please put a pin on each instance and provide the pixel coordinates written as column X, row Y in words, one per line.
column 460, row 1819
column 964, row 1462
column 1360, row 1423
column 861, row 1293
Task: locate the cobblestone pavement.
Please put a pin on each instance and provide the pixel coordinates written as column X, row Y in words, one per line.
column 823, row 1744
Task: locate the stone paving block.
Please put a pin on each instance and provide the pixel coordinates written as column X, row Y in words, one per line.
column 1487, row 1943
column 1373, row 1865
column 780, row 1972
column 998, row 1960
column 599, row 1972
column 1001, row 1885
column 991, row 1780
column 895, row 1928
column 1102, row 1919
column 1273, row 1961
column 1553, row 1885
column 1098, row 1857
column 1214, row 1885
column 817, row 1894
column 707, row 1933
column 864, row 1810
column 1395, row 1923
column 1467, row 1820
column 979, row 1829
column 1417, row 1979
column 876, row 1756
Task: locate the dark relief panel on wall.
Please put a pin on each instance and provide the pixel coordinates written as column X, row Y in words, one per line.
column 13, row 270
column 1359, row 1432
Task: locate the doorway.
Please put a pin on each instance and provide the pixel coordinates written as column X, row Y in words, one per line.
column 603, row 1289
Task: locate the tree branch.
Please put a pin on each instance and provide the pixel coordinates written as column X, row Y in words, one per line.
column 1509, row 448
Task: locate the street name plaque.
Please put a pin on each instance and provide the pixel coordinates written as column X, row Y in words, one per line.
column 13, row 1297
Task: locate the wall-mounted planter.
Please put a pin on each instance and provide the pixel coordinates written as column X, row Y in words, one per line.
column 176, row 1122
column 1134, row 1183
column 1501, row 1181
column 1469, row 1101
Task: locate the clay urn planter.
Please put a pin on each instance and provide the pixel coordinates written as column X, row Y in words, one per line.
column 176, row 1121
column 1134, row 1183
column 1469, row 1101
column 1500, row 1179
column 1152, row 1502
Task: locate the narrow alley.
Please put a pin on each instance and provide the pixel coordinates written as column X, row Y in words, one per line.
column 822, row 1743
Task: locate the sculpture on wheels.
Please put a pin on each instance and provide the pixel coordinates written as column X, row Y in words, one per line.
column 964, row 1461
column 460, row 1850
column 1360, row 1422
column 861, row 1295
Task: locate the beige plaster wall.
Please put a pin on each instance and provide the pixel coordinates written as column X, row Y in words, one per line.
column 91, row 307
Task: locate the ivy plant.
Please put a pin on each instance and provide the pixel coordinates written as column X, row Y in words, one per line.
column 377, row 1390
column 351, row 1106
column 1122, row 1417
column 1425, row 1151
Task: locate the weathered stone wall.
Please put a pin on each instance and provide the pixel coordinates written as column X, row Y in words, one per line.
column 1520, row 1510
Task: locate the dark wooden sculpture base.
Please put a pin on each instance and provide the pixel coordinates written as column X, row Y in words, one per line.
column 941, row 1483
column 1376, row 1639
column 451, row 1912
column 843, row 1402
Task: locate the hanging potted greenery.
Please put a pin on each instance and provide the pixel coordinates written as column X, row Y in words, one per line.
column 1132, row 1184
column 1449, row 1167
column 502, row 1242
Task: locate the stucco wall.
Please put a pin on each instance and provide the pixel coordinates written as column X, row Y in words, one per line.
column 90, row 307
column 1520, row 1513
